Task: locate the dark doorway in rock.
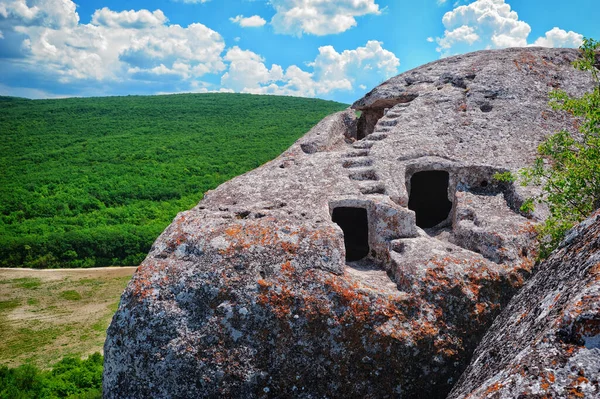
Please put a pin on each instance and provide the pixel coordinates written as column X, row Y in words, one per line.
column 429, row 197
column 355, row 225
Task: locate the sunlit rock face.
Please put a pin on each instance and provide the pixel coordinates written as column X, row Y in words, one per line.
column 368, row 260
column 546, row 343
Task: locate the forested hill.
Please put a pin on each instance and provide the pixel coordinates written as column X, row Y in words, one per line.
column 93, row 181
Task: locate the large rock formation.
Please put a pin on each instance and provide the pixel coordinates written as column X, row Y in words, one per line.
column 546, row 343
column 368, row 260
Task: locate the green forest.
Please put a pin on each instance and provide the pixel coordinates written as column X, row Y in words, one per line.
column 69, row 378
column 93, row 181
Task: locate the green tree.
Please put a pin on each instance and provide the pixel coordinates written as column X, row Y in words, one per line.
column 568, row 165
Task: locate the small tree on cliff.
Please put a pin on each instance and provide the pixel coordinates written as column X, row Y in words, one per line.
column 568, row 166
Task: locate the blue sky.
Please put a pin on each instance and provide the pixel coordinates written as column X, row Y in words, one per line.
column 336, row 49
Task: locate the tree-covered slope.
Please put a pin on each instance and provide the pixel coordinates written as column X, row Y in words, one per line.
column 93, row 181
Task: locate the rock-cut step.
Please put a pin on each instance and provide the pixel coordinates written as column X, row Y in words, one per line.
column 360, row 162
column 363, row 144
column 373, row 276
column 376, row 137
column 368, row 188
column 394, row 114
column 356, row 154
column 365, row 174
column 387, row 122
column 397, row 111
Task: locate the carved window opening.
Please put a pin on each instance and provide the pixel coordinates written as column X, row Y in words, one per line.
column 429, row 197
column 355, row 225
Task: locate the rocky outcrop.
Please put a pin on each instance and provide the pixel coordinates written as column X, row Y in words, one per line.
column 368, row 260
column 546, row 343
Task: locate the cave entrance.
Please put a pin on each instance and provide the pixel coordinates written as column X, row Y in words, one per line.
column 355, row 225
column 429, row 197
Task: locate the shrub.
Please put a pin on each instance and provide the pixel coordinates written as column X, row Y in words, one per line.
column 70, row 378
column 568, row 166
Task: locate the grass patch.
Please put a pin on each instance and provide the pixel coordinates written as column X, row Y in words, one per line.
column 33, row 301
column 91, row 282
column 27, row 283
column 28, row 340
column 70, row 295
column 9, row 305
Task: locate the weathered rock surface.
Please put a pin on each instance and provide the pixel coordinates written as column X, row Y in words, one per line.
column 546, row 343
column 368, row 260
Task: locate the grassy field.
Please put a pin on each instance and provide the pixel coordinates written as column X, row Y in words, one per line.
column 48, row 314
column 93, row 181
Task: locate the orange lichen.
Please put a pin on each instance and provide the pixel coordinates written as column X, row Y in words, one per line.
column 280, row 300
column 263, row 283
column 595, row 270
column 289, row 247
column 517, row 65
column 493, row 388
column 233, row 230
column 480, row 308
column 576, row 393
column 547, row 378
column 581, row 380
column 523, row 315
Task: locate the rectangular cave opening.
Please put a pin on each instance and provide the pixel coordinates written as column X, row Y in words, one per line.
column 429, row 197
column 354, row 222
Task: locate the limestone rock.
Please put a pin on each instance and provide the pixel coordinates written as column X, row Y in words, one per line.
column 368, row 260
column 546, row 343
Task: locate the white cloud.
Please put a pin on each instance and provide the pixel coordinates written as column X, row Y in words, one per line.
column 247, row 70
column 492, row 21
column 492, row 24
column 465, row 34
column 254, row 21
column 559, row 38
column 55, row 14
column 319, row 17
column 128, row 19
column 115, row 46
column 132, row 48
column 430, row 39
column 331, row 72
column 1, row 35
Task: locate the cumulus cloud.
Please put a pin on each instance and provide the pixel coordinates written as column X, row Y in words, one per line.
column 559, row 38
column 254, row 21
column 44, row 43
column 128, row 19
column 492, row 24
column 319, row 17
column 247, row 70
column 115, row 46
column 54, row 14
column 464, row 34
column 331, row 71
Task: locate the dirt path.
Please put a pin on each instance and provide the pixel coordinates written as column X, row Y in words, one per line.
column 59, row 274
